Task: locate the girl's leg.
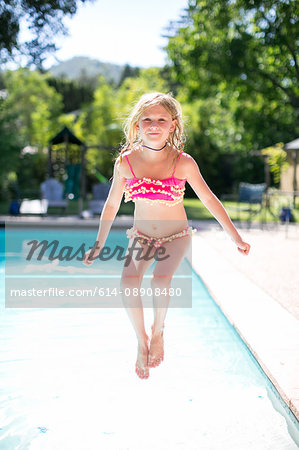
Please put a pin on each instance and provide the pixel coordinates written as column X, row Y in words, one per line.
column 130, row 283
column 161, row 282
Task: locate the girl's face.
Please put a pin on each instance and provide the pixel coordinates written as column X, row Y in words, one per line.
column 154, row 126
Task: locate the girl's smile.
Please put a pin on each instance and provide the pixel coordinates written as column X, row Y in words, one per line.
column 154, row 125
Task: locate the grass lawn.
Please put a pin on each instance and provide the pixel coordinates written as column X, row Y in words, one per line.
column 196, row 210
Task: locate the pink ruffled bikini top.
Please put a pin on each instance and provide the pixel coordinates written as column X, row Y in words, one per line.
column 169, row 191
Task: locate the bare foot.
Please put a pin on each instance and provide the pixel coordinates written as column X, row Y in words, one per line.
column 142, row 368
column 156, row 352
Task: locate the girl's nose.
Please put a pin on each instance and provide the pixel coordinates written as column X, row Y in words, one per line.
column 154, row 124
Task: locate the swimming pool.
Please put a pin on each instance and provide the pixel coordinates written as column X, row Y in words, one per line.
column 68, row 381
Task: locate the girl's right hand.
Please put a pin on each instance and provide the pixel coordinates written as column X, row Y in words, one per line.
column 243, row 247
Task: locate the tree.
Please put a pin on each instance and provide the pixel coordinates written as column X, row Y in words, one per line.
column 251, row 44
column 28, row 117
column 43, row 18
column 277, row 160
column 128, row 72
column 75, row 94
column 34, row 103
column 97, row 127
column 10, row 143
column 235, row 69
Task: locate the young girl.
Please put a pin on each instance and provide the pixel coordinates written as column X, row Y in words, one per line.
column 152, row 170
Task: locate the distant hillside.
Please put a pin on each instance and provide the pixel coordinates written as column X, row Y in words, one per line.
column 83, row 66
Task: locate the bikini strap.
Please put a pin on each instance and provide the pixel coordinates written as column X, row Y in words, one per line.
column 176, row 163
column 130, row 166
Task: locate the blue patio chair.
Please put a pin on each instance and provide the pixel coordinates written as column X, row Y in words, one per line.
column 248, row 195
column 52, row 191
column 100, row 193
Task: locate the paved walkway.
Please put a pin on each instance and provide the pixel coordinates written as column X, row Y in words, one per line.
column 273, row 261
column 259, row 296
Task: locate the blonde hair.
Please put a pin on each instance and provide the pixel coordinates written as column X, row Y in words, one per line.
column 176, row 138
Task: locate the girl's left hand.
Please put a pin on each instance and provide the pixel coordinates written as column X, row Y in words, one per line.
column 243, row 247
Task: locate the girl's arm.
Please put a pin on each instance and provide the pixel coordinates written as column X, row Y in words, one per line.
column 109, row 212
column 212, row 203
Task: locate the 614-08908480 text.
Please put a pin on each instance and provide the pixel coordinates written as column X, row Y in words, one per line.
column 141, row 291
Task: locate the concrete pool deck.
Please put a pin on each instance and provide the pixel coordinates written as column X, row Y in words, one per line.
column 258, row 294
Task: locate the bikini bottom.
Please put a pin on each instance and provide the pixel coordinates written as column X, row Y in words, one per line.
column 158, row 242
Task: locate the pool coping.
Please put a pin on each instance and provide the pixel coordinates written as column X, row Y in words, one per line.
column 122, row 221
column 273, row 342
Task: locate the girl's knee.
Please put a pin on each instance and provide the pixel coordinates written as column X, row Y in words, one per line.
column 161, row 281
column 130, row 281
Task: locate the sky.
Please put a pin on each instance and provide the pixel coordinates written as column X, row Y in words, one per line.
column 119, row 31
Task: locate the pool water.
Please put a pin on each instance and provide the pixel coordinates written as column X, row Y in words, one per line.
column 68, row 381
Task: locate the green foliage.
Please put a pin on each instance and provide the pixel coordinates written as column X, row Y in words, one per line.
column 10, row 142
column 96, row 126
column 75, row 94
column 250, row 44
column 43, row 18
column 235, row 69
column 35, row 104
column 10, row 145
column 277, row 160
column 27, row 119
column 128, row 72
column 31, row 172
